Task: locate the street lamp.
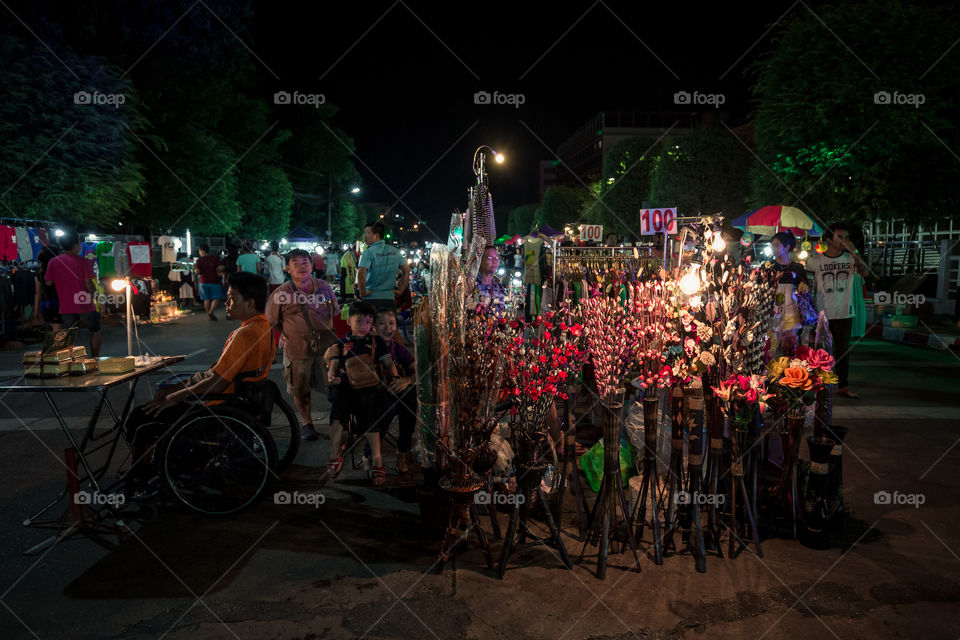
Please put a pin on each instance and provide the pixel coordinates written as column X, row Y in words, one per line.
column 352, row 190
column 498, row 157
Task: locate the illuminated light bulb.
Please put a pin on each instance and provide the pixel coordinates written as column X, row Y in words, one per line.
column 767, row 251
column 718, row 243
column 58, row 233
column 516, row 274
column 499, row 158
column 283, row 241
column 319, row 249
column 690, row 282
column 695, row 302
column 803, row 255
column 500, row 272
column 118, row 285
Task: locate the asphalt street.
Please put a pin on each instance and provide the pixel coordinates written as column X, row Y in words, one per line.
column 361, row 565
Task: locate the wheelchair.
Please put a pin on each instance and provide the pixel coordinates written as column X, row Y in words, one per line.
column 218, row 460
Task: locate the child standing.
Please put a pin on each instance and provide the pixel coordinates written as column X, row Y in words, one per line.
column 401, row 396
column 352, row 364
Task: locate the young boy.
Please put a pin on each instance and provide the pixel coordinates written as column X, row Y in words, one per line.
column 346, row 401
column 401, row 396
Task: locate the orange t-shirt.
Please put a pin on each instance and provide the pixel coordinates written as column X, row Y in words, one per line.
column 248, row 348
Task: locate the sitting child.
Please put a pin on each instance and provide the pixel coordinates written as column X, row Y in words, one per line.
column 347, row 398
column 401, row 396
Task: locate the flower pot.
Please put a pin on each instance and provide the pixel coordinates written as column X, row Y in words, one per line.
column 815, row 532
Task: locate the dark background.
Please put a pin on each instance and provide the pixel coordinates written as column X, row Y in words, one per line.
column 405, row 98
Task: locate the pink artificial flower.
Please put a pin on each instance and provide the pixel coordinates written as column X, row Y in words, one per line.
column 820, row 359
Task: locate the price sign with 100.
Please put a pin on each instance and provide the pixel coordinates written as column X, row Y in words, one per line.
column 662, row 220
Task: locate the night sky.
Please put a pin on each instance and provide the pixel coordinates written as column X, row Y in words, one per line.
column 404, row 76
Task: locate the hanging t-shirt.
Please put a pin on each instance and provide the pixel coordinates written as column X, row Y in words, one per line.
column 532, row 248
column 24, row 248
column 106, row 265
column 169, row 247
column 121, row 258
column 36, row 244
column 348, row 262
column 8, row 243
column 834, row 283
column 141, row 257
column 44, row 238
column 88, row 249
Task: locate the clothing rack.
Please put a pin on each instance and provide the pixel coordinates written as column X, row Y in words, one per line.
column 32, row 221
column 639, row 256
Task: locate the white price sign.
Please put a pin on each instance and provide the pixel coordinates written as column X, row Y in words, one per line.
column 591, row 232
column 658, row 221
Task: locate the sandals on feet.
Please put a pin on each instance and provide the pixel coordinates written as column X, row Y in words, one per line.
column 402, row 463
column 378, row 475
column 334, row 467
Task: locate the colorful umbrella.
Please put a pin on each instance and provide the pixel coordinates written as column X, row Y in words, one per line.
column 769, row 220
column 502, row 239
column 515, row 239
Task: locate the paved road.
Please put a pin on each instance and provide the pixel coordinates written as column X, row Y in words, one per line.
column 360, row 565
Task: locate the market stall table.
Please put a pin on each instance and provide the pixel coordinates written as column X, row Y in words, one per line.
column 73, row 519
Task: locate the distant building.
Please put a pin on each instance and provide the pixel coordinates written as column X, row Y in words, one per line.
column 548, row 175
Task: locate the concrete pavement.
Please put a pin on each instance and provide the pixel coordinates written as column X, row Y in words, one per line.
column 360, row 565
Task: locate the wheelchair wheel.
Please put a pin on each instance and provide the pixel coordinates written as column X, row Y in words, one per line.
column 285, row 430
column 218, row 461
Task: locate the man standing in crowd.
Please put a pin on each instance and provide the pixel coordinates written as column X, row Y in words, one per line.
column 833, row 279
column 299, row 309
column 75, row 283
column 208, row 280
column 248, row 261
column 274, row 262
column 377, row 271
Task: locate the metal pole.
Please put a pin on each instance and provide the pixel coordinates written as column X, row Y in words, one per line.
column 129, row 318
column 329, row 210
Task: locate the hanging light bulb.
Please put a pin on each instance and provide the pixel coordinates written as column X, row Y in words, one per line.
column 803, row 255
column 690, row 282
column 767, row 251
column 718, row 243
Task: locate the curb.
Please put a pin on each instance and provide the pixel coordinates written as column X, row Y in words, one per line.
column 938, row 341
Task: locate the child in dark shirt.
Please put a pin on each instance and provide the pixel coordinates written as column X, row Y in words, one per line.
column 401, row 396
column 364, row 405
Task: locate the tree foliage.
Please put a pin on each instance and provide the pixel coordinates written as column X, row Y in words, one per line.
column 521, row 219
column 702, row 171
column 625, row 185
column 65, row 158
column 561, row 205
column 831, row 132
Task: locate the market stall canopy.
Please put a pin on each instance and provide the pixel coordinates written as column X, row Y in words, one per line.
column 768, row 220
column 548, row 231
column 299, row 234
column 515, row 240
column 504, row 238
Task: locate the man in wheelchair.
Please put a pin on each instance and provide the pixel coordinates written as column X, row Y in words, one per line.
column 241, row 371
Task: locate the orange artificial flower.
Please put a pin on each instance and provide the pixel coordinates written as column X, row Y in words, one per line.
column 796, row 378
